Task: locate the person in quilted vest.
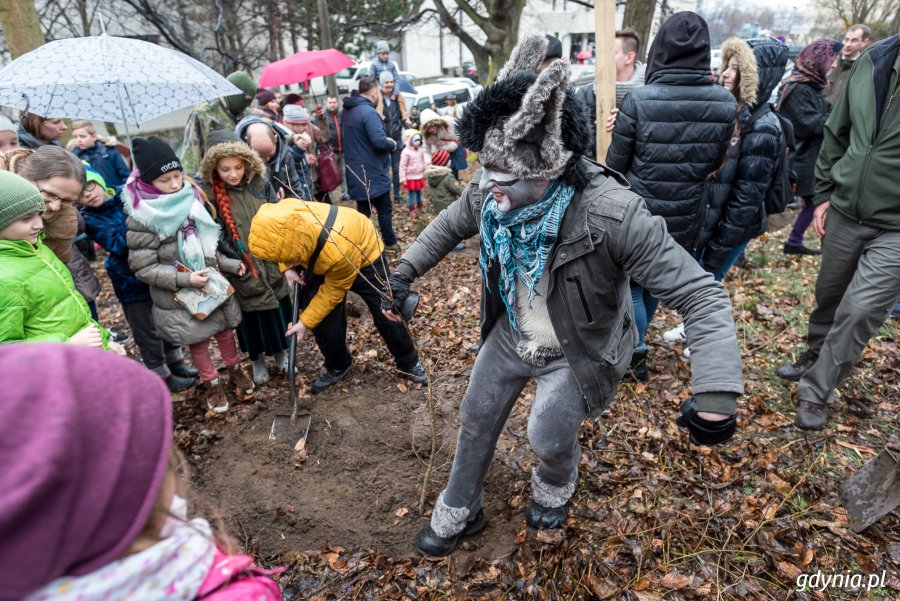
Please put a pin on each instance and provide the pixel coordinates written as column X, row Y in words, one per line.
column 99, row 509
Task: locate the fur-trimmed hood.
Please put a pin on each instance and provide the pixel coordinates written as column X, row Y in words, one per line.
column 253, row 164
column 748, row 73
column 436, row 172
column 428, row 118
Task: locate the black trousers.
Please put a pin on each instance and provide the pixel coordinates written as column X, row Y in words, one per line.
column 331, row 333
column 155, row 352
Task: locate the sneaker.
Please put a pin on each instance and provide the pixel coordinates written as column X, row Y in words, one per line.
column 460, row 246
column 260, row 371
column 795, row 370
column 215, row 396
column 176, row 383
column 416, row 373
column 811, row 416
column 800, row 250
column 329, row 378
column 281, row 362
column 184, row 370
column 240, row 382
column 540, row 518
column 431, row 545
column 792, row 205
column 118, row 337
column 686, row 353
column 676, row 334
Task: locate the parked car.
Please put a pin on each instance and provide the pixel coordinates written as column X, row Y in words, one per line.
column 474, row 88
column 470, row 70
column 437, row 93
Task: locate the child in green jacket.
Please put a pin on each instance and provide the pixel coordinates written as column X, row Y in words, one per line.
column 38, row 300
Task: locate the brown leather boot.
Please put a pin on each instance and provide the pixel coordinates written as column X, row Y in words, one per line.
column 240, row 382
column 215, row 396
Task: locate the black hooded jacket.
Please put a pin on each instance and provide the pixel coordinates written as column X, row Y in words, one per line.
column 672, row 133
column 736, row 212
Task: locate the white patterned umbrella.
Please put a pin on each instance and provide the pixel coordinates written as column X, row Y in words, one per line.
column 108, row 78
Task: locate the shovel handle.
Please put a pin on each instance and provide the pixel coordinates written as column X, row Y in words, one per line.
column 292, row 354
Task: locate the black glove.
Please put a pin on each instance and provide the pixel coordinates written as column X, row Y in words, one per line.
column 399, row 285
column 704, row 431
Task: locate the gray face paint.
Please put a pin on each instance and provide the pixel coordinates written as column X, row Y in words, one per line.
column 511, row 192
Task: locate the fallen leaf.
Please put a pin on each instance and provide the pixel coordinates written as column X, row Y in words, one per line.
column 550, row 536
column 674, row 581
column 401, row 387
column 788, row 570
column 401, row 512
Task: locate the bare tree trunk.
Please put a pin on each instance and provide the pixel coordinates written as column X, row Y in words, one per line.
column 639, row 17
column 85, row 19
column 20, row 24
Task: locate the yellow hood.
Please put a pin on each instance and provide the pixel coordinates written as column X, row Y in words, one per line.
column 286, row 232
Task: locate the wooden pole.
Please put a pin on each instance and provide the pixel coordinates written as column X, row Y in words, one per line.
column 604, row 46
column 325, row 36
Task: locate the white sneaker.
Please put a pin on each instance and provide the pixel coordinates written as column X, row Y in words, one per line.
column 260, row 371
column 686, row 352
column 676, row 334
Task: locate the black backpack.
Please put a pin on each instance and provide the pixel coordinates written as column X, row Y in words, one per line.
column 784, row 179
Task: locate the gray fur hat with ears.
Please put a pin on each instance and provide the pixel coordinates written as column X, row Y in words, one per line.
column 529, row 124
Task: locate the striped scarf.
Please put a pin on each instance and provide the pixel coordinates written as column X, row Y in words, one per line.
column 520, row 241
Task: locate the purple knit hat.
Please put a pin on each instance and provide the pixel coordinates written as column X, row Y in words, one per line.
column 84, row 444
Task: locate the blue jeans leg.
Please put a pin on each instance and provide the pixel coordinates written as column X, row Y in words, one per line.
column 645, row 305
column 382, row 206
column 722, row 271
column 395, row 173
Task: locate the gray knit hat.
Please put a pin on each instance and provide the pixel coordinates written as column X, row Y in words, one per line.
column 18, row 198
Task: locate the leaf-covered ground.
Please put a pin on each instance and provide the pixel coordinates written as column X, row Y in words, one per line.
column 653, row 518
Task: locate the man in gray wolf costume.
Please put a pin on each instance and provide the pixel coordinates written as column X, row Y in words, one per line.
column 561, row 236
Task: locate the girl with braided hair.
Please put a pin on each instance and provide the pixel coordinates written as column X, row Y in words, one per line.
column 233, row 175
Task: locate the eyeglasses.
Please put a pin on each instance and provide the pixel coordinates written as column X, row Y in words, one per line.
column 52, row 197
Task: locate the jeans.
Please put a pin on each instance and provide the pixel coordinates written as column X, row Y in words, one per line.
column 732, row 256
column 395, row 172
column 383, row 207
column 413, row 198
column 802, row 222
column 645, row 305
column 331, row 333
column 203, row 360
column 497, row 381
column 858, row 284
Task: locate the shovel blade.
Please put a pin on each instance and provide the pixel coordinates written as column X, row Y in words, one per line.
column 873, row 491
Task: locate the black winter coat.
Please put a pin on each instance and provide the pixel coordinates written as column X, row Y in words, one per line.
column 736, row 214
column 669, row 136
column 808, row 109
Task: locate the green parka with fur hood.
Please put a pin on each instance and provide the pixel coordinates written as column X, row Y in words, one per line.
column 443, row 188
column 267, row 287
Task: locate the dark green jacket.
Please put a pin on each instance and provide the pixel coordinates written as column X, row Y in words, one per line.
column 860, row 157
column 443, row 190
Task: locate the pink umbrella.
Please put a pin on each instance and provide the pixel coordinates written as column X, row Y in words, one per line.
column 582, row 54
column 304, row 66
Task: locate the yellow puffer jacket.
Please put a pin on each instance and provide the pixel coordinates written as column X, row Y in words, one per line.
column 286, row 232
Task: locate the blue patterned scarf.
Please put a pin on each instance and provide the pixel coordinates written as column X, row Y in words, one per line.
column 520, row 241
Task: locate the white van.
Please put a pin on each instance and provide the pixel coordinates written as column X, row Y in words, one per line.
column 437, row 93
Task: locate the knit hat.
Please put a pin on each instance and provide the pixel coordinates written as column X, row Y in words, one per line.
column 529, row 124
column 6, row 124
column 382, row 46
column 440, row 158
column 295, row 114
column 84, row 455
column 264, row 97
column 416, row 136
column 154, row 158
column 92, row 175
column 385, row 76
column 221, row 136
column 18, row 199
column 238, row 103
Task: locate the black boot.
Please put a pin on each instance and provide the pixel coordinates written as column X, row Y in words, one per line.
column 638, row 367
column 430, row 544
column 329, row 377
column 811, row 416
column 178, row 383
column 184, row 370
column 795, row 370
column 539, row 517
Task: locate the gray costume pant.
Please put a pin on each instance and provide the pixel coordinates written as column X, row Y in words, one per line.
column 497, row 380
column 858, row 283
